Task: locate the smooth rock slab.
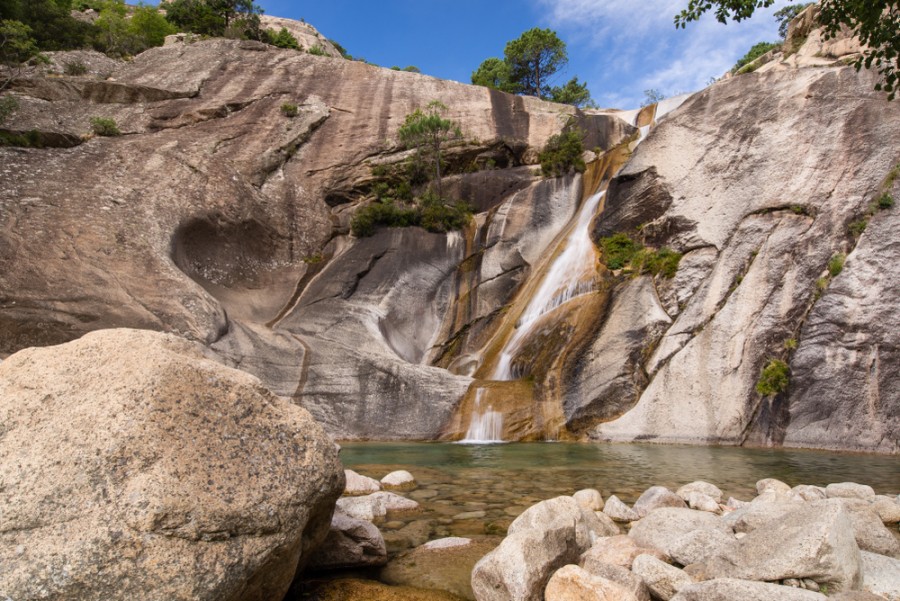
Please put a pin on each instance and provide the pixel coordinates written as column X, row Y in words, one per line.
column 132, row 467
column 729, row 589
column 572, row 583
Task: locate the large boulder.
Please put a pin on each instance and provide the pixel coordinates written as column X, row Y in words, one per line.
column 663, row 580
column 544, row 538
column 656, row 497
column 572, row 583
column 730, row 589
column 881, row 575
column 620, row 550
column 664, row 528
column 133, row 467
column 351, row 543
column 815, row 541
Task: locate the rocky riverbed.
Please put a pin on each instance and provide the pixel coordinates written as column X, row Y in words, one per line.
column 803, row 542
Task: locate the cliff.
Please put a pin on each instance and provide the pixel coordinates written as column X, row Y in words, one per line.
column 217, row 217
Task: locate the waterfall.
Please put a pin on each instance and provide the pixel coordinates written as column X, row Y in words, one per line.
column 570, row 275
column 485, row 428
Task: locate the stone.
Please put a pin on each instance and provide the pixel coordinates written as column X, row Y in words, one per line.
column 663, row 580
column 590, row 499
column 733, row 503
column 816, row 543
column 702, row 502
column 665, row 527
column 376, row 506
column 129, row 461
column 871, row 533
column 771, row 484
column 413, row 534
column 809, row 493
column 399, row 480
column 358, row 485
column 887, row 508
column 571, row 583
column 730, row 589
column 654, row 498
column 351, row 543
column 541, row 540
column 621, row 576
column 763, row 509
column 856, row 596
column 850, row 490
column 619, row 550
column 447, row 543
column 444, row 566
column 880, row 575
column 700, row 545
column 619, row 511
column 710, row 490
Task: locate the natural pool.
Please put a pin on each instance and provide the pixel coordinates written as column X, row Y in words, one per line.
column 477, row 490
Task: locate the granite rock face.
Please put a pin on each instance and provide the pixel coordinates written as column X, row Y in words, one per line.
column 133, row 466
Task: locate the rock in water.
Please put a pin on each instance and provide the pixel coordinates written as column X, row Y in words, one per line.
column 135, row 468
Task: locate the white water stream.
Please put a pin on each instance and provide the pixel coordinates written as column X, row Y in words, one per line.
column 485, row 428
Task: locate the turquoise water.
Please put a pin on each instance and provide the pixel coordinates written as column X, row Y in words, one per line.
column 537, row 469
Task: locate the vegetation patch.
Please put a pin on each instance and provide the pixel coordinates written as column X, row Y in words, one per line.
column 290, row 110
column 75, row 68
column 774, row 378
column 754, row 53
column 104, row 126
column 836, row 264
column 562, row 154
column 620, row 251
column 317, row 50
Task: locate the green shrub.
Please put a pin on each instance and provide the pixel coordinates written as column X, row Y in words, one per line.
column 282, row 39
column 618, row 250
column 368, row 218
column 289, row 109
column 104, row 126
column 29, row 139
column 8, row 106
column 790, row 344
column 774, row 378
column 886, row 201
column 380, row 170
column 656, row 262
column 439, row 216
column 75, row 68
column 562, row 154
column 317, row 50
column 856, row 228
column 754, row 53
column 836, row 264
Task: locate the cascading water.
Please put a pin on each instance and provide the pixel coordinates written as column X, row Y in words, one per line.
column 485, row 428
column 571, row 275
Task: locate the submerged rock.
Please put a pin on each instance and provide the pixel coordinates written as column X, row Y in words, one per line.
column 133, row 467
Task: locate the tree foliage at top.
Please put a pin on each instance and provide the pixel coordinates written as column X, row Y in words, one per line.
column 528, row 65
column 875, row 22
column 52, row 27
column 16, row 48
column 234, row 18
column 427, row 131
column 534, row 58
column 785, row 15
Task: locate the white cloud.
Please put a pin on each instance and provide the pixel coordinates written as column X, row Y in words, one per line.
column 623, row 47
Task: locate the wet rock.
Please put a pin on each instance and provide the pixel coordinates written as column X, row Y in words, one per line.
column 730, row 589
column 663, row 580
column 850, row 490
column 656, row 497
column 544, row 538
column 399, row 480
column 880, row 575
column 351, row 543
column 814, row 543
column 710, row 490
column 665, row 527
column 619, row 550
column 130, row 461
column 413, row 534
column 619, row 511
column 358, row 485
column 443, row 564
column 590, row 499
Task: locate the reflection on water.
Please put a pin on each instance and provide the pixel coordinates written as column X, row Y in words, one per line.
column 498, row 482
column 628, row 469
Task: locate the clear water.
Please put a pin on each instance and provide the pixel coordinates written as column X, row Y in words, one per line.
column 501, row 481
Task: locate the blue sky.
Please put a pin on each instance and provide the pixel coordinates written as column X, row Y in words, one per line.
column 619, row 47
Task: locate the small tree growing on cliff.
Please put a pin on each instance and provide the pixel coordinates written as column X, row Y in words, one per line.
column 427, row 131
